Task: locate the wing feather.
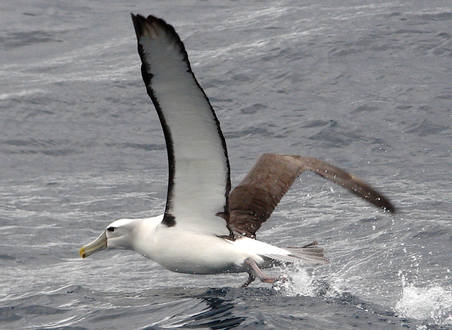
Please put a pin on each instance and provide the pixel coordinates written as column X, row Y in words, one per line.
column 252, row 202
column 198, row 181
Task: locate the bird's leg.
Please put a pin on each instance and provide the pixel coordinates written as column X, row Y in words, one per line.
column 255, row 271
column 250, row 279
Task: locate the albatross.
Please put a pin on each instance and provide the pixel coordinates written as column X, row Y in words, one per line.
column 206, row 228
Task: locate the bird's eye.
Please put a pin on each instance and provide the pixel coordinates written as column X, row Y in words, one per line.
column 111, row 228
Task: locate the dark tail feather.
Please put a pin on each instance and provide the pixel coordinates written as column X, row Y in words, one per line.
column 310, row 254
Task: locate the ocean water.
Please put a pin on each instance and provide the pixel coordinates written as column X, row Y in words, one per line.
column 365, row 85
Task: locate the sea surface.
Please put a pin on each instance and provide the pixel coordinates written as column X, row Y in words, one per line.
column 365, row 85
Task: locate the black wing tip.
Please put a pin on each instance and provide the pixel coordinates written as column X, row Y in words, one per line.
column 388, row 207
column 379, row 201
column 150, row 18
column 139, row 21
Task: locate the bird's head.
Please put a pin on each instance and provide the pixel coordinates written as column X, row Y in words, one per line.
column 118, row 235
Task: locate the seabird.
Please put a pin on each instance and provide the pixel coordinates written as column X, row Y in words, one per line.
column 206, row 228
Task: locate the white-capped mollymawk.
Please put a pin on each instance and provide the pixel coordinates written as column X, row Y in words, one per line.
column 206, row 228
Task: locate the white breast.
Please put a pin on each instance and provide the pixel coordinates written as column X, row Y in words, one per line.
column 189, row 252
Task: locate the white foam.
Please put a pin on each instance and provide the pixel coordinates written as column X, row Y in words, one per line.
column 20, row 94
column 432, row 303
column 300, row 282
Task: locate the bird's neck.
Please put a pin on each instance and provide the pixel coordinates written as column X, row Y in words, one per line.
column 144, row 234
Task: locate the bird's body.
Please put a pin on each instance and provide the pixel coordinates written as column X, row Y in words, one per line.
column 207, row 228
column 196, row 253
column 187, row 251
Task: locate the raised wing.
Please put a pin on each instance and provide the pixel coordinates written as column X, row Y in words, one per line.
column 252, row 202
column 198, row 181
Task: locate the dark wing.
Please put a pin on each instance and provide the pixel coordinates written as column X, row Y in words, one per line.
column 198, row 181
column 252, row 202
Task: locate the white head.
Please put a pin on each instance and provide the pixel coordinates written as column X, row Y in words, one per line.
column 118, row 235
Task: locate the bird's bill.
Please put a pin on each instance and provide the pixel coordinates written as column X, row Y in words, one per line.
column 98, row 244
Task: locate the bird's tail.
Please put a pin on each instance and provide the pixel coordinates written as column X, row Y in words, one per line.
column 310, row 254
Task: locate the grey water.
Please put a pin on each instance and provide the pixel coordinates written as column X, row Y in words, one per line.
column 365, row 85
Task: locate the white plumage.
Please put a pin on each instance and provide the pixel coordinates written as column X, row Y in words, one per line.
column 206, row 229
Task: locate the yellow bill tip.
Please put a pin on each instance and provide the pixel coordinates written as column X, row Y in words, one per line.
column 82, row 252
column 98, row 244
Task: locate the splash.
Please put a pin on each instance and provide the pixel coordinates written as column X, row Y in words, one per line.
column 298, row 282
column 301, row 282
column 432, row 303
